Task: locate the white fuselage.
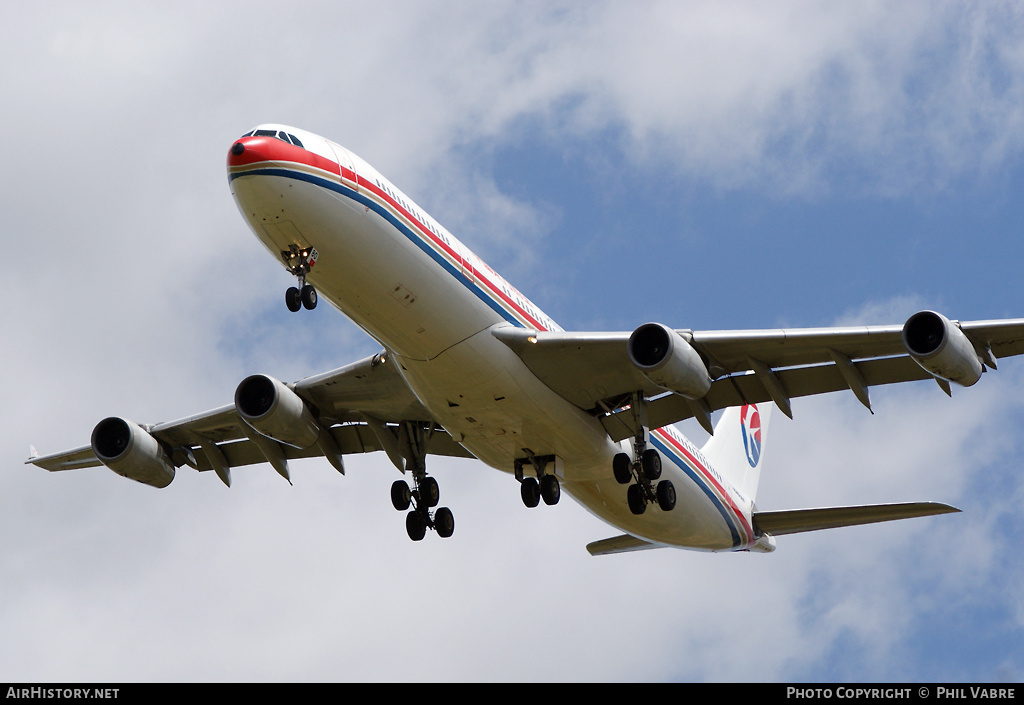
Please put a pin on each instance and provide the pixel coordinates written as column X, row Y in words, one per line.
column 432, row 304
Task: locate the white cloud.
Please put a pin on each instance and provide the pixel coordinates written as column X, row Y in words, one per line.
column 131, row 286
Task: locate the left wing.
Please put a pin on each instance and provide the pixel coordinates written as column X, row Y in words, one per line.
column 604, row 372
column 360, row 408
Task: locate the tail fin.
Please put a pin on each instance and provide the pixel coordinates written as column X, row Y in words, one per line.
column 736, row 449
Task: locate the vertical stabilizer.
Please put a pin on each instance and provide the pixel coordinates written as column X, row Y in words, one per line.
column 736, row 450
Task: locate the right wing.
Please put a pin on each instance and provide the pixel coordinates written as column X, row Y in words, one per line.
column 360, row 408
column 594, row 370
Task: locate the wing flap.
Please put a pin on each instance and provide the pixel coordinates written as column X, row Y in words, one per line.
column 787, row 347
column 737, row 390
column 351, row 439
column 797, row 521
column 1003, row 338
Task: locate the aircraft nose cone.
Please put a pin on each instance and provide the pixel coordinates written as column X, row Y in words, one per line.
column 248, row 150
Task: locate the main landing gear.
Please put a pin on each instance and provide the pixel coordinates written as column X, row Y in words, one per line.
column 646, row 469
column 299, row 262
column 545, row 486
column 422, row 498
column 411, row 445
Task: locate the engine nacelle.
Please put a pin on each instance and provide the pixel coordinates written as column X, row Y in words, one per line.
column 275, row 411
column 130, row 451
column 665, row 358
column 941, row 348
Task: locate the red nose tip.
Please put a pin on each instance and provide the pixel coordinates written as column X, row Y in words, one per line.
column 249, row 150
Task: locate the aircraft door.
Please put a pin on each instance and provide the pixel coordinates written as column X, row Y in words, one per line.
column 348, row 172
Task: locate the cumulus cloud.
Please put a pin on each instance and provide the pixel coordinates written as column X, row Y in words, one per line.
column 131, row 286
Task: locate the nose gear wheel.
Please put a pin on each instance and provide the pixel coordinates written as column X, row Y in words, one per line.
column 299, row 262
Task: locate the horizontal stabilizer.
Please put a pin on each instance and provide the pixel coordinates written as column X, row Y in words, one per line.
column 796, row 521
column 620, row 544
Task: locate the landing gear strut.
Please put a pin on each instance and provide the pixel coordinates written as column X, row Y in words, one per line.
column 425, row 494
column 545, row 486
column 299, row 262
column 645, row 469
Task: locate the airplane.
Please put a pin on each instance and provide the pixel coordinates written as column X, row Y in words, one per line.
column 471, row 368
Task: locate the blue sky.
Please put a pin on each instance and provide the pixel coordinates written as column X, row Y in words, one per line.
column 705, row 165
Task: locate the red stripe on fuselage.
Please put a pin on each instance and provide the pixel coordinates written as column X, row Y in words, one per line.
column 271, row 149
column 671, row 440
column 467, row 267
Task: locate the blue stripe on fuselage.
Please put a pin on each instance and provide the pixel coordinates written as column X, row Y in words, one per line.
column 667, row 451
column 398, row 225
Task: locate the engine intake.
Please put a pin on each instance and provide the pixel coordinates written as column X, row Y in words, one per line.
column 275, row 411
column 666, row 359
column 941, row 348
column 130, row 451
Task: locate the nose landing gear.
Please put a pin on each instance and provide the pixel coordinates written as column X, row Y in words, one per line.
column 302, row 296
column 299, row 262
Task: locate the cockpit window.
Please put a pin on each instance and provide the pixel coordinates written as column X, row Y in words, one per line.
column 278, row 134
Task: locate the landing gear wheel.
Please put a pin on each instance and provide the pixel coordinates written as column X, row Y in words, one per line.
column 666, row 493
column 308, row 295
column 400, row 495
column 550, row 489
column 651, row 462
column 622, row 468
column 430, row 493
column 416, row 525
column 293, row 299
column 635, row 499
column 444, row 522
column 530, row 491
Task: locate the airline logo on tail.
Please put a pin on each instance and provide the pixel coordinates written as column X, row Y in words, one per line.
column 750, row 427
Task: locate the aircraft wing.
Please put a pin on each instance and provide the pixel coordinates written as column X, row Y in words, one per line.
column 594, row 371
column 796, row 521
column 360, row 408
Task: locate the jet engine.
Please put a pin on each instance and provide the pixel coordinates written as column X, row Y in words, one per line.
column 666, row 359
column 941, row 348
column 275, row 411
column 130, row 451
